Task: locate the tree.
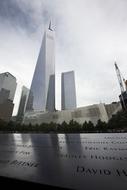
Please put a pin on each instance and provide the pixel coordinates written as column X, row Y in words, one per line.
column 90, row 126
column 101, row 126
column 85, row 126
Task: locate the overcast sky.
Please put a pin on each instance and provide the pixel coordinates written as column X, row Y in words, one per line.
column 90, row 36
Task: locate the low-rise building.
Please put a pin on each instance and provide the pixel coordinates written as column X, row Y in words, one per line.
column 89, row 113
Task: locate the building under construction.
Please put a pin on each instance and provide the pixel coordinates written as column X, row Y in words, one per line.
column 123, row 88
column 123, row 100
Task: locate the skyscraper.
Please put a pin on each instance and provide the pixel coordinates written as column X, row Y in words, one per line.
column 42, row 91
column 68, row 91
column 7, row 91
column 22, row 104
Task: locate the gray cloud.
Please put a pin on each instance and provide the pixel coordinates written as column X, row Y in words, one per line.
column 11, row 12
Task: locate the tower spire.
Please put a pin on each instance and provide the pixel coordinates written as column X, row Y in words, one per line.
column 50, row 26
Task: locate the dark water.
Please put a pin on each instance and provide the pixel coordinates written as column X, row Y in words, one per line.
column 77, row 161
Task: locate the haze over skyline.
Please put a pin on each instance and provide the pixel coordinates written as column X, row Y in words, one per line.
column 90, row 36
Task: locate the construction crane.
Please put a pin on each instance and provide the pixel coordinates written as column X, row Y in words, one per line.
column 120, row 80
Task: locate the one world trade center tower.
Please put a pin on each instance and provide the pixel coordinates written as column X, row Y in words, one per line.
column 42, row 91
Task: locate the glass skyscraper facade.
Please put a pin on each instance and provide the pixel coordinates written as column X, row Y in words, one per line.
column 68, row 91
column 7, row 86
column 22, row 103
column 42, row 91
column 7, row 92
